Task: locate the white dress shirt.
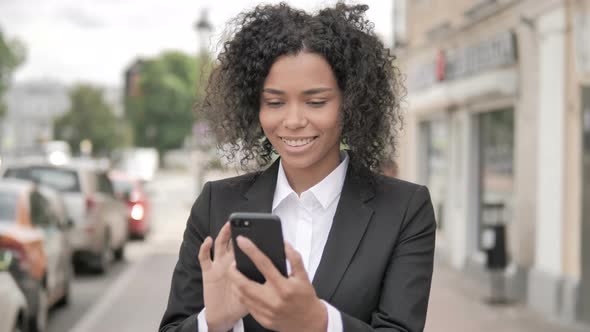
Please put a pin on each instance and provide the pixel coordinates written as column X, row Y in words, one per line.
column 306, row 221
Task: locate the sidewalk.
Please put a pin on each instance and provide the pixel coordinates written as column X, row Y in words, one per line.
column 457, row 305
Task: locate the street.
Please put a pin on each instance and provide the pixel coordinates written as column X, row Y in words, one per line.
column 133, row 295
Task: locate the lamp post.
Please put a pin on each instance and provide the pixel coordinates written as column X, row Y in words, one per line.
column 199, row 147
column 204, row 29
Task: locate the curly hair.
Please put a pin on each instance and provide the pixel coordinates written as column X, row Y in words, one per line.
column 370, row 83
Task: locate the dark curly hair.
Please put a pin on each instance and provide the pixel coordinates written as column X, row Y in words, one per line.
column 370, row 83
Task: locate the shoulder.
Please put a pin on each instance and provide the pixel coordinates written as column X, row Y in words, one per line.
column 234, row 183
column 404, row 202
column 219, row 195
column 401, row 192
column 387, row 185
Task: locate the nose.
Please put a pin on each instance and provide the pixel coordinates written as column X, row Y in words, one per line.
column 295, row 117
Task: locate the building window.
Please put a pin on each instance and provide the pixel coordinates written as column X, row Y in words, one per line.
column 496, row 168
column 436, row 164
column 399, row 24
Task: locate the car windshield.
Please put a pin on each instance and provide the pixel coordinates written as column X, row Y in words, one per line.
column 58, row 179
column 122, row 187
column 8, row 202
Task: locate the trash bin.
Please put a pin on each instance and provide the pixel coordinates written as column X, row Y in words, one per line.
column 493, row 242
column 494, row 245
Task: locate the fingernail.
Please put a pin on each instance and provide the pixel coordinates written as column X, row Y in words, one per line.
column 242, row 240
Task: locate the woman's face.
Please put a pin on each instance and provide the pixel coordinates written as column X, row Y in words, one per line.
column 300, row 111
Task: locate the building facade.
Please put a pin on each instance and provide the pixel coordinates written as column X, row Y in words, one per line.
column 32, row 106
column 498, row 127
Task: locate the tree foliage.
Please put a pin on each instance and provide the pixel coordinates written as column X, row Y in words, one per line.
column 91, row 118
column 161, row 115
column 12, row 54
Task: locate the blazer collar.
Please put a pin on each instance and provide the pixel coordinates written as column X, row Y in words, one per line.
column 260, row 194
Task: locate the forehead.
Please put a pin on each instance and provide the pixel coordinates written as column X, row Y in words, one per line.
column 301, row 71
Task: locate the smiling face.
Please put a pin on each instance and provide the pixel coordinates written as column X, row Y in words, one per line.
column 300, row 113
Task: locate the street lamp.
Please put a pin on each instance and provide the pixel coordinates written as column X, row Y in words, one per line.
column 199, row 154
column 204, row 29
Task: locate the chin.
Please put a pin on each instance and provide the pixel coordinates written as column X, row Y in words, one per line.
column 299, row 162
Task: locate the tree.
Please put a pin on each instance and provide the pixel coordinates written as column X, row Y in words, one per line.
column 161, row 115
column 91, row 118
column 12, row 54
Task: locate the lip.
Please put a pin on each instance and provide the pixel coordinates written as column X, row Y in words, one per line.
column 297, row 149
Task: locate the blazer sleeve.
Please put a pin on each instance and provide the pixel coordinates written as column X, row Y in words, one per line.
column 406, row 285
column 186, row 292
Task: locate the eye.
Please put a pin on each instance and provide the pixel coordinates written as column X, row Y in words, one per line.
column 316, row 103
column 274, row 104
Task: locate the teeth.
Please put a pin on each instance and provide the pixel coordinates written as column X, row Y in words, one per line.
column 297, row 142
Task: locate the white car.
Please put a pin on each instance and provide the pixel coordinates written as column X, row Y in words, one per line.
column 99, row 219
column 14, row 314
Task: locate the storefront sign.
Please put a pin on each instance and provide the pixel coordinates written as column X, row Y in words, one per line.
column 422, row 76
column 496, row 52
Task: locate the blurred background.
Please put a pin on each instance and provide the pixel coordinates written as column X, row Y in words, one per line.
column 101, row 156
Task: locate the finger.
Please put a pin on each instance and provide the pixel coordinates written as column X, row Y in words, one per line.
column 205, row 253
column 260, row 260
column 222, row 240
column 259, row 312
column 249, row 302
column 246, row 288
column 230, row 248
column 295, row 260
column 263, row 317
column 254, row 299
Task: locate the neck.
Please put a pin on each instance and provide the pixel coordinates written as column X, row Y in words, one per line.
column 301, row 179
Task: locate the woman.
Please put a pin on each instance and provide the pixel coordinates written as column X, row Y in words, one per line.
column 360, row 245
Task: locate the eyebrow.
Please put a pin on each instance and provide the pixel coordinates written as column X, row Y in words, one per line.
column 306, row 92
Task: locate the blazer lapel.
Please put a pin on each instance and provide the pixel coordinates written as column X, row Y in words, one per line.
column 348, row 227
column 260, row 195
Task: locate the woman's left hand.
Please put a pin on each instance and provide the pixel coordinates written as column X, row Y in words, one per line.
column 280, row 304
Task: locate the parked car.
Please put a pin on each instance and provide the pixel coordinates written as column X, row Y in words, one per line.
column 100, row 229
column 34, row 233
column 138, row 162
column 131, row 191
column 14, row 315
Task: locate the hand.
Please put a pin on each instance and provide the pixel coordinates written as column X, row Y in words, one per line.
column 280, row 304
column 223, row 309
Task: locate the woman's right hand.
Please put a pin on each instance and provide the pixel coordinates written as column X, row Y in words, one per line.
column 222, row 307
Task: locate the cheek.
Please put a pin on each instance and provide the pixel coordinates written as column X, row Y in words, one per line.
column 330, row 121
column 266, row 121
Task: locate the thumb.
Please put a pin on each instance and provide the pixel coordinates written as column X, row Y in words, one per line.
column 296, row 262
column 205, row 254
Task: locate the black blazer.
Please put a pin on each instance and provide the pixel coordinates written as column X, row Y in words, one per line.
column 376, row 267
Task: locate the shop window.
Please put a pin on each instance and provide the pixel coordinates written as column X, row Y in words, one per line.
column 436, row 164
column 496, row 168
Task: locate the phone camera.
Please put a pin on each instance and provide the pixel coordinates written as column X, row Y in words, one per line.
column 246, row 223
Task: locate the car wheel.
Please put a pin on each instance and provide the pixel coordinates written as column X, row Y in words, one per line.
column 65, row 300
column 105, row 257
column 120, row 252
column 39, row 320
column 21, row 325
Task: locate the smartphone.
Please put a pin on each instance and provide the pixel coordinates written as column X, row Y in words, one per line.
column 264, row 229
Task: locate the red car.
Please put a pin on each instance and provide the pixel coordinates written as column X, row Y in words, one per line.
column 131, row 191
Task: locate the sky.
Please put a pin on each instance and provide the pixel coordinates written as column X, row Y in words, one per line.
column 95, row 40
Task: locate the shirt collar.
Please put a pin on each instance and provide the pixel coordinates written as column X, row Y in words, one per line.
column 326, row 191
